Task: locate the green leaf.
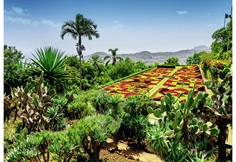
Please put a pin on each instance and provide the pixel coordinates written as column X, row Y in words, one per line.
column 175, row 124
column 214, row 131
column 167, row 99
column 149, row 110
column 200, row 123
column 226, row 70
column 209, row 124
column 157, row 113
column 199, row 96
column 177, row 114
column 205, row 127
column 190, row 93
column 194, row 129
column 163, row 108
column 179, row 135
column 205, row 95
column 194, row 121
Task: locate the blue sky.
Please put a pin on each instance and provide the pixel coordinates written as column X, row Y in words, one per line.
column 129, row 25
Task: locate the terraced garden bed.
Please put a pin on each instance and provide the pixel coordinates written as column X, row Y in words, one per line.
column 160, row 81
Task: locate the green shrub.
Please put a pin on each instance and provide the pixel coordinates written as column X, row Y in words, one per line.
column 93, row 132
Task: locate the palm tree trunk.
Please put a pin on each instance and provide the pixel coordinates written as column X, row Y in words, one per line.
column 80, row 61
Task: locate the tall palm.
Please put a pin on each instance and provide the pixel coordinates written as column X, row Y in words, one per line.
column 114, row 56
column 50, row 61
column 78, row 28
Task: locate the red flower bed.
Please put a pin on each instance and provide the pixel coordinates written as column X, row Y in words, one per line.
column 143, row 83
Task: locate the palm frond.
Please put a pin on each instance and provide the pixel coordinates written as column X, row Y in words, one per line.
column 106, row 57
column 119, row 58
column 107, row 62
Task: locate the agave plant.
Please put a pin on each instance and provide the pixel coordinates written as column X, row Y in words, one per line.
column 51, row 62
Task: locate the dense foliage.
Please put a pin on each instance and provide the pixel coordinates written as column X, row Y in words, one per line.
column 14, row 68
column 172, row 61
column 54, row 119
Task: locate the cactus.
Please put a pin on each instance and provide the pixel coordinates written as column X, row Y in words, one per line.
column 181, row 116
column 221, row 86
column 34, row 103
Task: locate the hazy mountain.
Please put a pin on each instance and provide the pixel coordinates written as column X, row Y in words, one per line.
column 161, row 57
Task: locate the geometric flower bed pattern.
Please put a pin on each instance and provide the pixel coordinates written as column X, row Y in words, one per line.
column 160, row 81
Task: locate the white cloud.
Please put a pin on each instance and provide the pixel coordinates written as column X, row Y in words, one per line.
column 50, row 23
column 181, row 12
column 8, row 12
column 117, row 24
column 20, row 20
column 18, row 10
column 17, row 20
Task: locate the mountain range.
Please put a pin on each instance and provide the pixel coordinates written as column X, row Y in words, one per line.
column 161, row 57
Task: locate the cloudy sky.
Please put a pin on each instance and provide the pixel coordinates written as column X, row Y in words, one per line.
column 129, row 25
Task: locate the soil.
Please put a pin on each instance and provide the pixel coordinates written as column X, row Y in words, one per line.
column 126, row 153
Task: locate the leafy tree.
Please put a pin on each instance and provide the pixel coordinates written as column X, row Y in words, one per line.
column 51, row 62
column 114, row 56
column 196, row 58
column 97, row 62
column 13, row 68
column 222, row 40
column 78, row 28
column 172, row 61
column 122, row 69
column 140, row 65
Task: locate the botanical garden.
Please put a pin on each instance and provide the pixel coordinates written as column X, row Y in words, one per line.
column 62, row 108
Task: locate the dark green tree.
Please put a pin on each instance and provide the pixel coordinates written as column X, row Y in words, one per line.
column 114, row 56
column 78, row 28
column 13, row 68
column 172, row 61
column 195, row 59
column 222, row 40
column 140, row 65
column 121, row 69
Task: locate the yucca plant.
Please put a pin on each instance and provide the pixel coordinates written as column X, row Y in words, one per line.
column 50, row 61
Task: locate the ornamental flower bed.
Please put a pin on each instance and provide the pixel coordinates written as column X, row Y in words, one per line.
column 182, row 82
column 139, row 84
column 160, row 81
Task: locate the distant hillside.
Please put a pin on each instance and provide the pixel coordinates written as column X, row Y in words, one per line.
column 161, row 57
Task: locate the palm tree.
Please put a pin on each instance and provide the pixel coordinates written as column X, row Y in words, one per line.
column 114, row 56
column 96, row 61
column 50, row 61
column 78, row 28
